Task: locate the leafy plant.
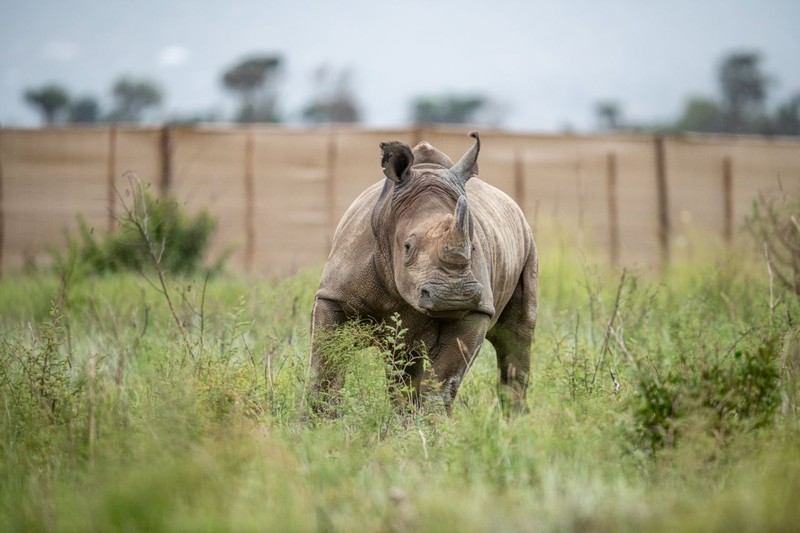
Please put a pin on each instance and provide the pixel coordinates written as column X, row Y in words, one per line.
column 730, row 394
column 390, row 339
column 179, row 240
column 354, row 355
column 40, row 395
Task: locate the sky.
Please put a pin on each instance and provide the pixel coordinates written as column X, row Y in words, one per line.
column 545, row 64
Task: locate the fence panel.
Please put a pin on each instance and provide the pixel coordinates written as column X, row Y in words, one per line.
column 49, row 176
column 290, row 208
column 208, row 167
column 277, row 194
column 713, row 183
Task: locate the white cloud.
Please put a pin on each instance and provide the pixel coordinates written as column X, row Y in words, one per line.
column 60, row 51
column 173, row 56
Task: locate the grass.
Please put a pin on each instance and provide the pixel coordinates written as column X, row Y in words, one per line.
column 111, row 421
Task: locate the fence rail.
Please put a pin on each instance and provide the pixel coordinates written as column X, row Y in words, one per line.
column 277, row 193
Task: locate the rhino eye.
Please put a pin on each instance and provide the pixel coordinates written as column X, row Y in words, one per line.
column 409, row 248
column 409, row 251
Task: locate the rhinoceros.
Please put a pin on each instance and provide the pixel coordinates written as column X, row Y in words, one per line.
column 449, row 255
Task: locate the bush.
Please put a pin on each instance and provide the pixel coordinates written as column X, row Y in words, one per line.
column 151, row 228
column 41, row 397
column 728, row 396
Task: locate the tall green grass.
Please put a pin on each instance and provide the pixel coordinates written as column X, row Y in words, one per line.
column 656, row 402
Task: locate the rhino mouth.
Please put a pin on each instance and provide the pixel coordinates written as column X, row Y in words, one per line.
column 451, row 301
column 457, row 315
column 447, row 315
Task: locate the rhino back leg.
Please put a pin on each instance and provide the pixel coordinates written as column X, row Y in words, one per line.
column 326, row 373
column 512, row 336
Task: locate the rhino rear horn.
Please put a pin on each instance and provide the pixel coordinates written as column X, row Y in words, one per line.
column 467, row 166
column 396, row 160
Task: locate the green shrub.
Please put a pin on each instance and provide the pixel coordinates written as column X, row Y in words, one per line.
column 40, row 393
column 728, row 395
column 150, row 228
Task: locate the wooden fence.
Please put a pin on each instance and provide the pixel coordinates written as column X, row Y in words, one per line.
column 278, row 193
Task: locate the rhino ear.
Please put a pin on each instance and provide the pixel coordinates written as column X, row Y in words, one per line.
column 396, row 161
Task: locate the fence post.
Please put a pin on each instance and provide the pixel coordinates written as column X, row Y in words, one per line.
column 663, row 200
column 613, row 212
column 111, row 173
column 166, row 160
column 330, row 183
column 249, row 201
column 727, row 192
column 519, row 179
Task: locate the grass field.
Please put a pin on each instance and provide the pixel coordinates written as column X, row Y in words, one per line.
column 657, row 402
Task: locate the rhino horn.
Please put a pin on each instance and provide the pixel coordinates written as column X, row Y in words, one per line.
column 467, row 166
column 458, row 245
column 396, row 160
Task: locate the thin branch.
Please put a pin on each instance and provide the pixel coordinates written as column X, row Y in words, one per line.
column 607, row 336
column 424, row 443
column 138, row 217
column 629, row 357
column 614, row 379
column 771, row 285
column 573, row 372
column 203, row 311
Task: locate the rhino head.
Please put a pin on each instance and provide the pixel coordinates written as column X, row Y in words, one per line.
column 430, row 231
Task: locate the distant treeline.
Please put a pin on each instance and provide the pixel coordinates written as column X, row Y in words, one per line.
column 741, row 107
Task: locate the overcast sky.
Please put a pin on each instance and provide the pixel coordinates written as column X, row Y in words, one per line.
column 545, row 63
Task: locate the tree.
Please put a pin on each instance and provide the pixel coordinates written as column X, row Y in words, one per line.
column 132, row 98
column 744, row 90
column 334, row 99
column 448, row 109
column 609, row 115
column 84, row 110
column 741, row 108
column 51, row 101
column 254, row 80
column 787, row 117
column 701, row 115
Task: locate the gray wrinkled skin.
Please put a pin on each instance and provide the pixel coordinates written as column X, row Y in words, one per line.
column 452, row 255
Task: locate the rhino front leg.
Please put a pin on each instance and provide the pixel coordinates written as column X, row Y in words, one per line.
column 326, row 371
column 458, row 344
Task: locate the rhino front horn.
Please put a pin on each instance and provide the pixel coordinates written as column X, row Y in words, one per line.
column 467, row 166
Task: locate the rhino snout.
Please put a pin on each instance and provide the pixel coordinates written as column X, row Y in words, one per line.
column 442, row 298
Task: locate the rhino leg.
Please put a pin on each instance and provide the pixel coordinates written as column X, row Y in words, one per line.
column 512, row 336
column 450, row 358
column 326, row 373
